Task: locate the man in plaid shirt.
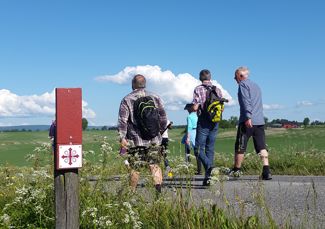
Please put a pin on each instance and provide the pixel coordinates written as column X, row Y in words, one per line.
column 207, row 130
column 130, row 136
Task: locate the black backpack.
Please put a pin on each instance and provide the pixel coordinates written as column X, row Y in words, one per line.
column 147, row 117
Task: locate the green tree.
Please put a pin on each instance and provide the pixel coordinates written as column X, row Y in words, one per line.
column 84, row 123
column 233, row 121
column 306, row 121
column 224, row 124
column 266, row 120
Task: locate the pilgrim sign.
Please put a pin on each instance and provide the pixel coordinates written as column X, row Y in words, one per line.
column 69, row 128
column 68, row 157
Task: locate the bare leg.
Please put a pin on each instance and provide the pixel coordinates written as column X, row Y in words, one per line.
column 134, row 179
column 264, row 157
column 156, row 174
column 266, row 175
column 239, row 158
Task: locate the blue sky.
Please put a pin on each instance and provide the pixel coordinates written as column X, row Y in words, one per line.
column 48, row 44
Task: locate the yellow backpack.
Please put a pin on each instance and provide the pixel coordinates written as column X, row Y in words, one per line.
column 214, row 105
column 215, row 110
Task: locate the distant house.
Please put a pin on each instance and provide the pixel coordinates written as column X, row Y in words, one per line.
column 289, row 125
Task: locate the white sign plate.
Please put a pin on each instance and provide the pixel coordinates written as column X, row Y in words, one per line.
column 69, row 156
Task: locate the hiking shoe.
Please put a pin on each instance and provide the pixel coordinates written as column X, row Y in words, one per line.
column 266, row 176
column 209, row 171
column 236, row 174
column 206, row 182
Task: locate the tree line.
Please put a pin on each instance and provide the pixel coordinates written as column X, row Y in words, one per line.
column 232, row 122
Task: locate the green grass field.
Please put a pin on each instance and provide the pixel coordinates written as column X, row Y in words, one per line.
column 296, row 151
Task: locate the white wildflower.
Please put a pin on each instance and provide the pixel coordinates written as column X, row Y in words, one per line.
column 126, row 219
column 5, row 219
column 108, row 223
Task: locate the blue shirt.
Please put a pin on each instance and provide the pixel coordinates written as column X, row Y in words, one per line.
column 250, row 102
column 191, row 121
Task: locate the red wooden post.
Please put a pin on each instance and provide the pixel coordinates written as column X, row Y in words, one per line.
column 68, row 156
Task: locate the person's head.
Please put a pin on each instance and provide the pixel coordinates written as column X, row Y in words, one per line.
column 138, row 82
column 205, row 75
column 189, row 107
column 241, row 74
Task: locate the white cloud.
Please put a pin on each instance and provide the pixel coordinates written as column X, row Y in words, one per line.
column 2, row 124
column 175, row 90
column 304, row 103
column 87, row 112
column 13, row 105
column 272, row 106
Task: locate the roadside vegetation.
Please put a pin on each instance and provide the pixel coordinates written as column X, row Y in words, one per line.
column 26, row 189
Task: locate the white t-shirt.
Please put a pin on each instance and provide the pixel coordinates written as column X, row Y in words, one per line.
column 165, row 134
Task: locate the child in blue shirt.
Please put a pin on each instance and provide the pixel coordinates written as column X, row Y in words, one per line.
column 190, row 135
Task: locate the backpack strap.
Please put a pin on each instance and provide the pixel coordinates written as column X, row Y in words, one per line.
column 209, row 88
column 211, row 91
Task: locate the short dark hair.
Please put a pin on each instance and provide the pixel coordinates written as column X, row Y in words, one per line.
column 205, row 75
column 138, row 81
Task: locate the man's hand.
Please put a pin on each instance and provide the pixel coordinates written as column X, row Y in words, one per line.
column 248, row 123
column 123, row 147
column 124, row 143
column 187, row 141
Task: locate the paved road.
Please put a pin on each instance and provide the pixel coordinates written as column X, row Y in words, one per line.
column 296, row 200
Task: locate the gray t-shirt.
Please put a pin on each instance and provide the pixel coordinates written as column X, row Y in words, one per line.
column 250, row 102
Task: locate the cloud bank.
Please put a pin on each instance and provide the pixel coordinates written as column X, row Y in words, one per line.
column 13, row 105
column 272, row 106
column 175, row 90
column 304, row 103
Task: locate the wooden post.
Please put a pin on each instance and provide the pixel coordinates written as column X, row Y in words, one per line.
column 68, row 157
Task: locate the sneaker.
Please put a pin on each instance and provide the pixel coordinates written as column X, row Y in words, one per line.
column 236, row 174
column 266, row 176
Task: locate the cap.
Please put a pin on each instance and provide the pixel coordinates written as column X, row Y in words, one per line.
column 187, row 106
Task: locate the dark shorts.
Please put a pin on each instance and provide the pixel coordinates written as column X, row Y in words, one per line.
column 244, row 134
column 142, row 156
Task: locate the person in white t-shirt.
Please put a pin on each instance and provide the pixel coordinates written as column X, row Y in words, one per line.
column 164, row 143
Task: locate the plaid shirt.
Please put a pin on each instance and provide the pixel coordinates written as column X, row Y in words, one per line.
column 200, row 94
column 127, row 126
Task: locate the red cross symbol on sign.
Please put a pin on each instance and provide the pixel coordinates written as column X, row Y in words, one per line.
column 70, row 156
